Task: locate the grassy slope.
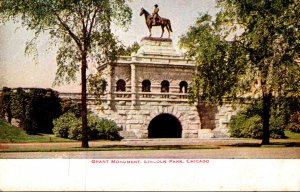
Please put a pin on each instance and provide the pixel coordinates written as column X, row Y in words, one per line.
column 10, row 133
column 292, row 135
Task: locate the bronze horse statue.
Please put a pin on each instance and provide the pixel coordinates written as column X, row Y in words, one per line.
column 163, row 22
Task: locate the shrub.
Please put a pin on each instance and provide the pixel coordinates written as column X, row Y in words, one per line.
column 62, row 125
column 69, row 126
column 294, row 123
column 248, row 123
column 277, row 125
column 75, row 131
column 103, row 129
column 242, row 126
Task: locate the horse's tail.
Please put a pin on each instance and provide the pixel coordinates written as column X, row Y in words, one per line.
column 169, row 23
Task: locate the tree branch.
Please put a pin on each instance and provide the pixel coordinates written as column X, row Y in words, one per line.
column 92, row 22
column 74, row 37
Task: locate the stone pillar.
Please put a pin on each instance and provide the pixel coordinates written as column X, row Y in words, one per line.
column 133, row 84
column 109, row 85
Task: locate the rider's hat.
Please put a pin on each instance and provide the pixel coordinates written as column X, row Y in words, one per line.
column 155, row 5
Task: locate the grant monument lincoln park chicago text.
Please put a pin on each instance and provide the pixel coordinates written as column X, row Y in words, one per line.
column 146, row 93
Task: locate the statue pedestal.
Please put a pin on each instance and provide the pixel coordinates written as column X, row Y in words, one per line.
column 155, row 46
column 158, row 39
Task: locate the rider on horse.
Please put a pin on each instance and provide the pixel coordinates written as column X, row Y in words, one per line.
column 155, row 14
column 156, row 20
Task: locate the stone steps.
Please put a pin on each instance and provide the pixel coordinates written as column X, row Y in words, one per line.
column 127, row 134
column 220, row 134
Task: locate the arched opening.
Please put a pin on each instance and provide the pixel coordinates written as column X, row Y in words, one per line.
column 121, row 85
column 164, row 126
column 146, row 86
column 183, row 86
column 165, row 86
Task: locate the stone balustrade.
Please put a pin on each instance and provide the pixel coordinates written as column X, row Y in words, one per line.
column 125, row 96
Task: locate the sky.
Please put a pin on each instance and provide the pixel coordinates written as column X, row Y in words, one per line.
column 19, row 70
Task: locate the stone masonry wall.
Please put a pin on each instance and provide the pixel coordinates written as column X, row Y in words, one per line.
column 134, row 120
column 197, row 122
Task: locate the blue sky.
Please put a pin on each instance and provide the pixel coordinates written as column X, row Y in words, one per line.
column 18, row 70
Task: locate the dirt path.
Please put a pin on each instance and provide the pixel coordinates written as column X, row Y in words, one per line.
column 149, row 142
column 223, row 153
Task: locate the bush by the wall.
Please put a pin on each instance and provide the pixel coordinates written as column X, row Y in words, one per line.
column 62, row 125
column 242, row 126
column 278, row 124
column 68, row 125
column 103, row 128
column 248, row 123
column 294, row 123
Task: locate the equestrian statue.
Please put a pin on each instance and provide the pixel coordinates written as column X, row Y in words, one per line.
column 156, row 20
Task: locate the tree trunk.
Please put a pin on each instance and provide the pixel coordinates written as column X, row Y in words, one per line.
column 84, row 138
column 266, row 118
column 9, row 115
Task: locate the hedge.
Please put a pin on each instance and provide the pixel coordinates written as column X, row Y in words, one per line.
column 34, row 108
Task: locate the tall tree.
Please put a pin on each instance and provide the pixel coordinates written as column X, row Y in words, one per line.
column 80, row 28
column 263, row 52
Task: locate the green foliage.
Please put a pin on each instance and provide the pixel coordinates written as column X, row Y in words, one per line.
column 10, row 133
column 242, row 126
column 250, row 50
column 294, row 123
column 5, row 103
column 34, row 108
column 97, row 87
column 292, row 135
column 75, row 131
column 248, row 123
column 81, row 29
column 127, row 51
column 67, row 105
column 66, row 20
column 103, row 128
column 62, row 125
column 269, row 36
column 277, row 126
column 69, row 126
column 217, row 64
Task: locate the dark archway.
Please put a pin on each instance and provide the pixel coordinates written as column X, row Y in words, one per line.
column 121, row 85
column 164, row 126
column 183, row 87
column 146, row 86
column 165, row 86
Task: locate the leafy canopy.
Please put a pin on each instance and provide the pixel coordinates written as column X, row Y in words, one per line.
column 217, row 61
column 271, row 40
column 251, row 47
column 77, row 27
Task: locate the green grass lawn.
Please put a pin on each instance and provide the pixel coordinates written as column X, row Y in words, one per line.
column 292, row 135
column 10, row 133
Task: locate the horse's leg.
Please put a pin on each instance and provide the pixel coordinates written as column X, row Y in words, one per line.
column 162, row 30
column 168, row 28
column 149, row 27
